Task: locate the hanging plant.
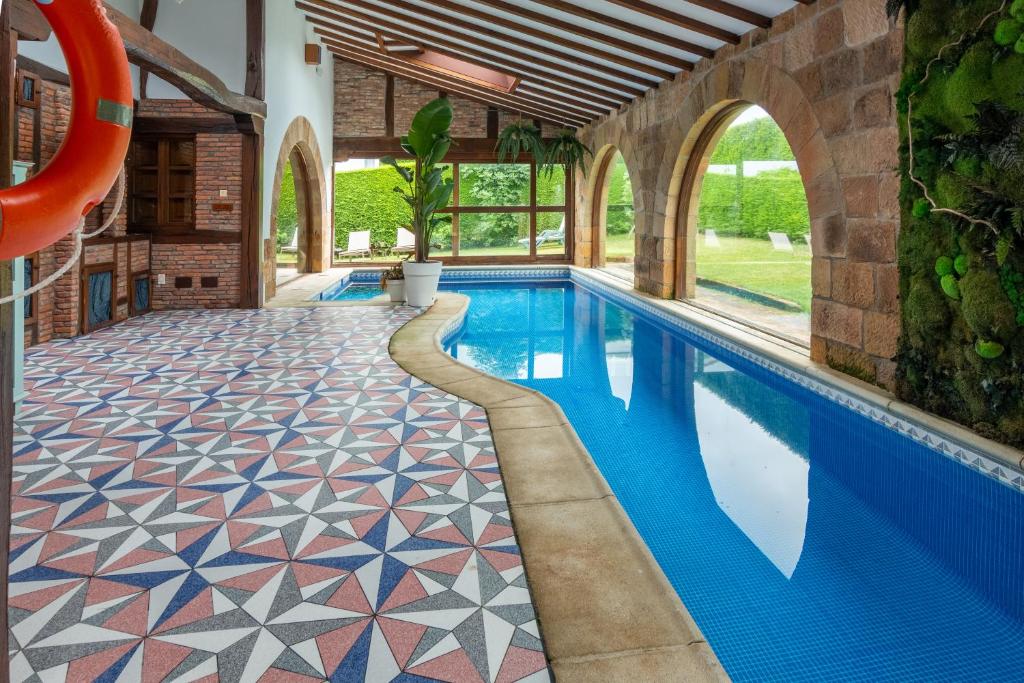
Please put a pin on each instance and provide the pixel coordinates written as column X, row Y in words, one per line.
column 568, row 151
column 520, row 137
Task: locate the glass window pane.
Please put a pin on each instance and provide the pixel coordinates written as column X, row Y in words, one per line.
column 620, row 244
column 494, row 184
column 551, row 187
column 494, row 234
column 441, row 239
column 144, row 153
column 550, row 233
column 182, row 152
column 100, row 299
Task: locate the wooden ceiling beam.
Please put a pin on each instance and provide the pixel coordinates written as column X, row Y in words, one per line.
column 730, row 10
column 627, row 27
column 541, row 68
column 344, row 35
column 548, row 38
column 423, row 17
column 625, row 45
column 680, row 20
column 402, row 69
column 496, row 97
column 544, row 116
column 167, row 62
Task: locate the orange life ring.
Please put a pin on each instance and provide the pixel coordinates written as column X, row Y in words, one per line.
column 40, row 211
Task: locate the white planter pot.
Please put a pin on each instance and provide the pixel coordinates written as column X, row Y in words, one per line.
column 421, row 282
column 396, row 290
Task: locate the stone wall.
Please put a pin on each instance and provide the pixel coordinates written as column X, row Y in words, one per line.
column 827, row 73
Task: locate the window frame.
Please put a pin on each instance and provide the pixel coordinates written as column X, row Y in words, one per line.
column 456, row 210
column 32, row 322
column 87, row 271
column 162, row 225
column 456, row 159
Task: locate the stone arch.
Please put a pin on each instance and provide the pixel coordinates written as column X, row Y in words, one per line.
column 591, row 205
column 713, row 102
column 300, row 147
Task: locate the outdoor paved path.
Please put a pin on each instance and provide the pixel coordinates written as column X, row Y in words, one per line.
column 258, row 496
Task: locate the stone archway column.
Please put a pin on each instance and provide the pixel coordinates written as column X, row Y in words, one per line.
column 300, row 143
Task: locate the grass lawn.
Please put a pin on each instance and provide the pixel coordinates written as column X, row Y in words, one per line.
column 753, row 264
column 620, row 247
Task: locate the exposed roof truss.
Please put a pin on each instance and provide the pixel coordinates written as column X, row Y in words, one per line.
column 567, row 61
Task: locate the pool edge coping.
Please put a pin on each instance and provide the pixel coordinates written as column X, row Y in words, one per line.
column 945, row 437
column 535, row 478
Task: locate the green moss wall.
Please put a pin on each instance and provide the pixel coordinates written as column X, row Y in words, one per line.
column 962, row 280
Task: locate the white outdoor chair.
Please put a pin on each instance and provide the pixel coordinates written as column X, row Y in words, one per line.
column 292, row 248
column 711, row 239
column 406, row 242
column 807, row 238
column 358, row 245
column 780, row 241
column 556, row 236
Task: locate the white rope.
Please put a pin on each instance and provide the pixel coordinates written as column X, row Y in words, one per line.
column 79, row 236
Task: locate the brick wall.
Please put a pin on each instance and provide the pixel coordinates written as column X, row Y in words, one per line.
column 827, row 73
column 218, row 167
column 195, row 261
column 359, row 94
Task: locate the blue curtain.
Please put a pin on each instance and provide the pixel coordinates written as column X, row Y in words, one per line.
column 101, row 308
column 142, row 294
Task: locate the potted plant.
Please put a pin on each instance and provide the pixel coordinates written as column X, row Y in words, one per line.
column 516, row 138
column 428, row 142
column 392, row 281
column 565, row 149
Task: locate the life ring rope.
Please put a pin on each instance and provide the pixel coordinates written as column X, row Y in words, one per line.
column 80, row 236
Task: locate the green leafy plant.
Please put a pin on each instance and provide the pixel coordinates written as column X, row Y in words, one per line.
column 520, row 137
column 565, row 149
column 950, row 286
column 989, row 350
column 995, row 136
column 395, row 273
column 428, row 141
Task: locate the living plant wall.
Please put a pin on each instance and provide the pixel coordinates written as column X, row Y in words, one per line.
column 961, row 247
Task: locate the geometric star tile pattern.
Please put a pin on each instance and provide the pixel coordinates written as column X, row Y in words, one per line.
column 258, row 496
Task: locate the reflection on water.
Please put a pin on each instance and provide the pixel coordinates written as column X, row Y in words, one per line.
column 807, row 542
column 758, row 480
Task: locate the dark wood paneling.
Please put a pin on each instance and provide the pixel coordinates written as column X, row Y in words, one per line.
column 252, row 213
column 255, row 49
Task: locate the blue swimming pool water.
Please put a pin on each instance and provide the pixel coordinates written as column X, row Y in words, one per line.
column 808, row 542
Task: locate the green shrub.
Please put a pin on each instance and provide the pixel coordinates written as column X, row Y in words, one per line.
column 944, row 266
column 287, row 215
column 986, row 309
column 773, row 201
column 366, row 200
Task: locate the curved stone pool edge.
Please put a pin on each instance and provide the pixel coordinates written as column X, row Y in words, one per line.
column 606, row 610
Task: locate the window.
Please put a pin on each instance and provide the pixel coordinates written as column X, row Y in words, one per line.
column 753, row 241
column 162, row 184
column 615, row 245
column 508, row 210
column 28, row 92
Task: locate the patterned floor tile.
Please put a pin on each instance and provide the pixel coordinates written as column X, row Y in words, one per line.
column 258, row 496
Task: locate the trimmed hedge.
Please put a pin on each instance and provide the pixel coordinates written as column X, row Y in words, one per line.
column 773, row 201
column 287, row 215
column 366, row 200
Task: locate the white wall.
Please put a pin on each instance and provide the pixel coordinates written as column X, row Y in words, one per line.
column 294, row 89
column 48, row 52
column 212, row 32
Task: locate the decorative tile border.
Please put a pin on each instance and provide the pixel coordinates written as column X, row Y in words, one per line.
column 906, row 427
column 462, row 274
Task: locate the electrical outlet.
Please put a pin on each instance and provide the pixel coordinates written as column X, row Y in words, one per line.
column 223, row 193
column 161, row 279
